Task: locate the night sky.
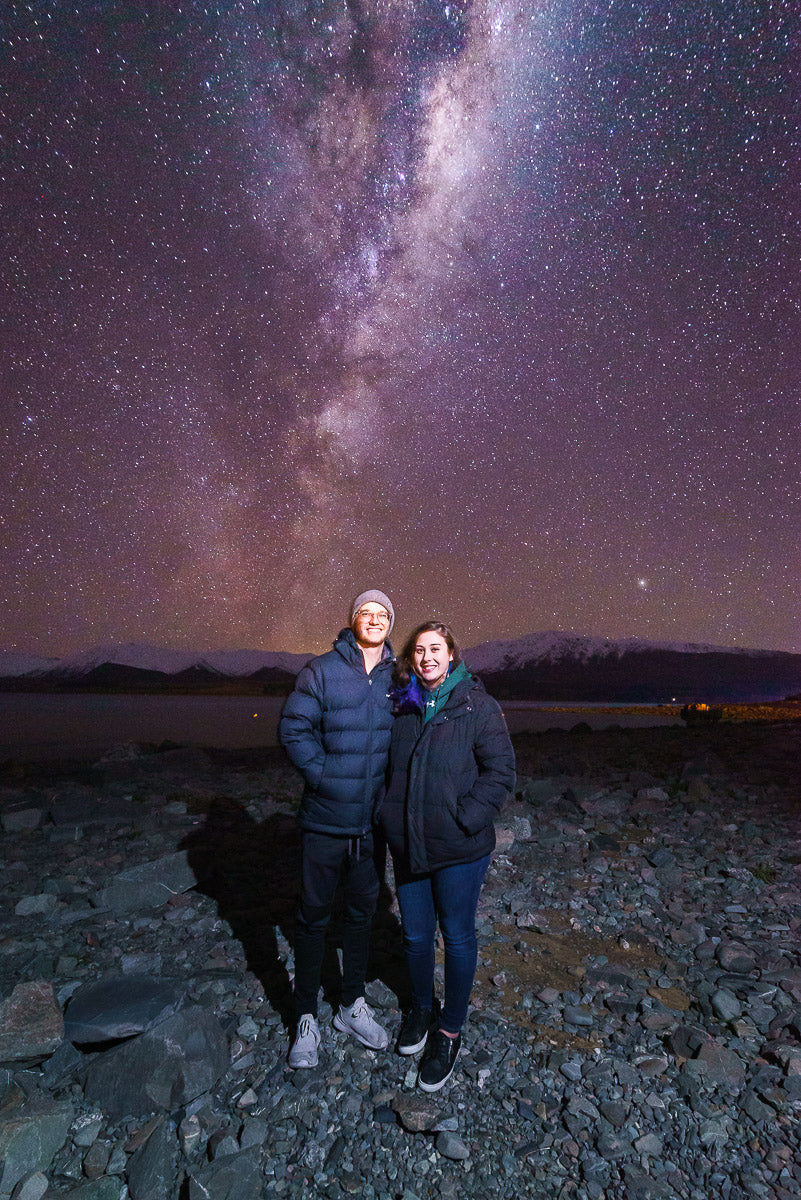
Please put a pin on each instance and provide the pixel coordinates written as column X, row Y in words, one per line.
column 492, row 305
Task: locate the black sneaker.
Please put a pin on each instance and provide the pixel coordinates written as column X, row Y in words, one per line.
column 436, row 1066
column 414, row 1030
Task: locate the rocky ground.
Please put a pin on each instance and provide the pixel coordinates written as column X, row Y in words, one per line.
column 637, row 1022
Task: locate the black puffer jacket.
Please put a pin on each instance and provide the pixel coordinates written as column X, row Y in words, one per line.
column 447, row 779
column 335, row 727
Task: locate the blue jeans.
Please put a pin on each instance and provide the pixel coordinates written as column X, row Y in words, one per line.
column 450, row 896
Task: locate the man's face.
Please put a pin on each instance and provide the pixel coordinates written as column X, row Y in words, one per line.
column 371, row 625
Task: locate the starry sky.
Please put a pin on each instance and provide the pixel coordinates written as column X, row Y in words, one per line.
column 492, row 304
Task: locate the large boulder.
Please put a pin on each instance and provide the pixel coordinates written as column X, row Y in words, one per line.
column 234, row 1177
column 152, row 1169
column 31, row 1023
column 31, row 1132
column 173, row 1063
column 119, row 1008
column 148, row 885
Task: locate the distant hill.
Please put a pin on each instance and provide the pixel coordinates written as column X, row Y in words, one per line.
column 540, row 666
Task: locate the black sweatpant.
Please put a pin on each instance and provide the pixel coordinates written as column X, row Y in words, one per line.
column 325, row 860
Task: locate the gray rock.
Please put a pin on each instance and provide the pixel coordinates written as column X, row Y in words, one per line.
column 62, row 1065
column 152, row 1168
column 611, row 1146
column 149, row 885
column 723, row 1066
column 735, row 957
column 655, row 795
column 686, row 1039
column 611, row 804
column 715, row 1131
column 32, row 1187
column 31, row 1023
column 549, row 995
column 19, row 820
column 169, row 1065
column 643, row 1187
column 119, row 1008
column 725, row 1005
column 91, row 809
column 141, row 964
column 254, row 1132
column 451, row 1146
column 615, row 1113
column 661, row 857
column 650, row 1144
column 577, row 1014
column 446, row 1125
column 377, row 992
column 96, row 1160
column 521, row 827
column 235, row 1177
column 86, row 1127
column 106, row 1188
column 545, row 791
column 36, row 906
column 756, row 1110
column 571, row 1069
column 30, row 1135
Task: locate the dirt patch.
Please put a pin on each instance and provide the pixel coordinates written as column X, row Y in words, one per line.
column 536, row 960
column 672, row 997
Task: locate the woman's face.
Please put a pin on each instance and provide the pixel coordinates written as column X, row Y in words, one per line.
column 431, row 659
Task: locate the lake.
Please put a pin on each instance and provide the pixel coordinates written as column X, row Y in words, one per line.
column 40, row 726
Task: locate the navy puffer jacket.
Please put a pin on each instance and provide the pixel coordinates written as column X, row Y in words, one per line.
column 335, row 727
column 447, row 780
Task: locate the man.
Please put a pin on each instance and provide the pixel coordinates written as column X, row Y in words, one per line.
column 335, row 728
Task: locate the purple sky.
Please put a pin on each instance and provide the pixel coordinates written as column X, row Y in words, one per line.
column 493, row 305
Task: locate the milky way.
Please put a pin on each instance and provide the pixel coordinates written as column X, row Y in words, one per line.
column 493, row 305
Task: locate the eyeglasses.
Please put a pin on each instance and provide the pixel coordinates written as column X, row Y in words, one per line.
column 367, row 613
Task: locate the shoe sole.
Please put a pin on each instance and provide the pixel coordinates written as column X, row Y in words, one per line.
column 302, row 1066
column 343, row 1028
column 434, row 1087
column 405, row 1050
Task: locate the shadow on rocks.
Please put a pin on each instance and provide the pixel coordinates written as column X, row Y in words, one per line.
column 251, row 869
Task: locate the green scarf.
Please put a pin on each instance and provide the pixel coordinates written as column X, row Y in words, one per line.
column 435, row 701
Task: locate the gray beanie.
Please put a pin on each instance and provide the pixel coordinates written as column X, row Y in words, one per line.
column 373, row 597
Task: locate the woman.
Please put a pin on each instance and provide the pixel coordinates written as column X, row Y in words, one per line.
column 451, row 765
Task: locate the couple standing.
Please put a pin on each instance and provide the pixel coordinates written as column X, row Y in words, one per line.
column 419, row 749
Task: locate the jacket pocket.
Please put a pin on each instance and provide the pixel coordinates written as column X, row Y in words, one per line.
column 472, row 815
column 315, row 775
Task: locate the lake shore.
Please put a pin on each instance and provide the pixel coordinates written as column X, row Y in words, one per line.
column 51, row 727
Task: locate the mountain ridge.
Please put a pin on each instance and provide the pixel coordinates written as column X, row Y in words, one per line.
column 544, row 666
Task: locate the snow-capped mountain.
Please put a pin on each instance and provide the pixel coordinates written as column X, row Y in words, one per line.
column 561, row 666
column 14, row 663
column 145, row 657
column 552, row 646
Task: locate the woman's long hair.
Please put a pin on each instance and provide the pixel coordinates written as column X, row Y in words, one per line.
column 407, row 686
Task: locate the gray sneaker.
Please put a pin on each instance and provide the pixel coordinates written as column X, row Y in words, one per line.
column 304, row 1047
column 358, row 1020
